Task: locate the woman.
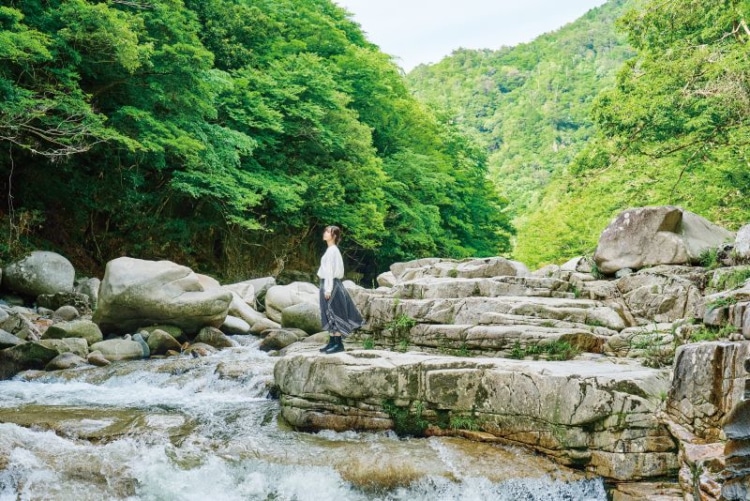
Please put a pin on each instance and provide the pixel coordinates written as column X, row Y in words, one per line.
column 337, row 310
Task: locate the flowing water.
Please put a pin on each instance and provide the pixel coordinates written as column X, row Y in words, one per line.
column 203, row 428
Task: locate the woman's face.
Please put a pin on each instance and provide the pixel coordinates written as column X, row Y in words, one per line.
column 327, row 235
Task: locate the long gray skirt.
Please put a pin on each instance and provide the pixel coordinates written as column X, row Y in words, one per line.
column 339, row 314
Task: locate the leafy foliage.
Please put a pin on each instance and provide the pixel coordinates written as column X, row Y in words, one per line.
column 529, row 106
column 672, row 130
column 224, row 134
column 572, row 142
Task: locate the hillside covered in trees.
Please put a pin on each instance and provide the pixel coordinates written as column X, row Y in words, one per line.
column 224, row 135
column 636, row 103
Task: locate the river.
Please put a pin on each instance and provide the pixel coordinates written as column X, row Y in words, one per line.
column 204, row 428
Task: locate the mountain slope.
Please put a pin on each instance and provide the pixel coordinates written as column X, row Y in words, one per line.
column 530, row 105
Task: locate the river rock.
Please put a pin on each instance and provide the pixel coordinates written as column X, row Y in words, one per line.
column 41, row 272
column 261, row 287
column 467, row 268
column 89, row 287
column 119, row 349
column 652, row 343
column 23, row 357
column 380, row 311
column 214, row 337
column 138, row 338
column 653, row 297
column 200, row 350
column 160, row 342
column 80, row 328
column 76, row 345
column 276, row 339
column 81, row 302
column 581, row 264
column 387, row 279
column 8, row 340
column 708, row 382
column 244, row 290
column 241, row 309
column 172, row 330
column 207, row 282
column 65, row 361
column 649, row 236
column 67, row 312
column 741, row 248
column 235, row 325
column 304, row 316
column 528, row 286
column 20, row 325
column 137, row 293
column 263, row 324
column 595, row 415
column 737, row 473
column 97, row 358
column 279, row 297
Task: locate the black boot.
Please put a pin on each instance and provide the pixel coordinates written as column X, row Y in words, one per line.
column 338, row 345
column 331, row 342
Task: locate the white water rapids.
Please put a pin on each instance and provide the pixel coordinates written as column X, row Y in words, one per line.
column 203, row 428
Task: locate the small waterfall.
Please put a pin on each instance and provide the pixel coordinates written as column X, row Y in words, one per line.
column 202, row 428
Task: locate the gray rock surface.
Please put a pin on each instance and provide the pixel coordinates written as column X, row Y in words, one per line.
column 136, row 293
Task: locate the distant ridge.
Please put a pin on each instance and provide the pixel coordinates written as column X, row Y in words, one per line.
column 529, row 105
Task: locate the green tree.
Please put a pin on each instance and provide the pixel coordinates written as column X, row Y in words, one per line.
column 672, row 130
column 224, row 133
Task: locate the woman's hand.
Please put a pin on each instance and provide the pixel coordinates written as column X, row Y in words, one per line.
column 328, row 296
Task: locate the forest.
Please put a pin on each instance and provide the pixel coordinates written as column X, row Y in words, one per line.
column 639, row 102
column 225, row 135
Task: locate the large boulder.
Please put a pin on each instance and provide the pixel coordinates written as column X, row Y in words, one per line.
column 650, row 236
column 256, row 322
column 260, row 287
column 136, row 293
column 41, row 272
column 279, row 297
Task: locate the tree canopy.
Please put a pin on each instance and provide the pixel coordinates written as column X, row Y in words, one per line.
column 530, row 107
column 637, row 103
column 224, row 134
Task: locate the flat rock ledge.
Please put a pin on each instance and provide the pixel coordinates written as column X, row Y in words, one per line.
column 590, row 414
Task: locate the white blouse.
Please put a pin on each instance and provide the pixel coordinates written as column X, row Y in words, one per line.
column 331, row 266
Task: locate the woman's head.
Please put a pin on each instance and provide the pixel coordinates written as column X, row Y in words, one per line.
column 335, row 233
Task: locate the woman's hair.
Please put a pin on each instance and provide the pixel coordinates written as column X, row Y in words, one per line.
column 335, row 232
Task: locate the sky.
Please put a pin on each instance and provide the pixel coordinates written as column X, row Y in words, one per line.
column 425, row 31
